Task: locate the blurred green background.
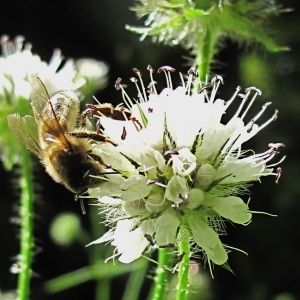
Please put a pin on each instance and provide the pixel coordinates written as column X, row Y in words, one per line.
column 96, row 29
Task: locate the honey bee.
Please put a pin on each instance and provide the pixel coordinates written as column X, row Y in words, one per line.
column 67, row 158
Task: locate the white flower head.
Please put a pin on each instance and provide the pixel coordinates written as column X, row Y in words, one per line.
column 18, row 63
column 186, row 166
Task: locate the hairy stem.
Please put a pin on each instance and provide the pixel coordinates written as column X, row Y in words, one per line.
column 26, row 235
column 204, row 55
column 183, row 271
column 161, row 275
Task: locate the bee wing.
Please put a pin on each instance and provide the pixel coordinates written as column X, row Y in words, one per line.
column 45, row 113
column 40, row 98
column 26, row 131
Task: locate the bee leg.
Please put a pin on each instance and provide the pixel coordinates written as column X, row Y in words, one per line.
column 93, row 135
column 83, row 117
column 136, row 121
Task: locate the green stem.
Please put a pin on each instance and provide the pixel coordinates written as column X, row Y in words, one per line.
column 204, row 55
column 183, row 271
column 97, row 255
column 135, row 281
column 26, row 235
column 161, row 275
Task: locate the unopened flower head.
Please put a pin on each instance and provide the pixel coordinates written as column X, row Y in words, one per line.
column 179, row 169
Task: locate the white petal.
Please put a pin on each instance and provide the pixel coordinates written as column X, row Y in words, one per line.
column 166, row 227
column 176, row 189
column 132, row 245
column 135, row 188
column 207, row 239
column 232, row 208
column 236, row 170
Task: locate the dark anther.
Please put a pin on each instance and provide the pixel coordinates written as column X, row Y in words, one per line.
column 149, row 68
column 118, row 84
column 193, row 73
column 205, row 87
column 266, row 104
column 166, row 68
column 252, row 122
column 124, row 133
column 178, row 209
column 148, row 237
column 276, row 146
column 171, row 152
column 253, row 88
column 137, row 72
column 184, row 200
column 275, row 115
column 279, row 172
column 179, row 258
column 167, row 246
column 217, row 78
column 133, row 79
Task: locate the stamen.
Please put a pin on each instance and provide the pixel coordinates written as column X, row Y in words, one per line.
column 279, row 172
column 191, row 75
column 139, row 74
column 244, row 99
column 6, row 49
column 140, row 96
column 276, row 146
column 152, row 83
column 237, row 90
column 126, row 98
column 216, row 81
column 273, row 118
column 19, row 40
column 167, row 70
column 205, row 87
column 277, row 163
column 257, row 93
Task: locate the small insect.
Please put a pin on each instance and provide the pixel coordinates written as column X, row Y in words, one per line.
column 118, row 113
column 67, row 158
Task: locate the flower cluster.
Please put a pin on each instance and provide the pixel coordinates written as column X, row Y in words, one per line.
column 179, row 168
column 188, row 22
column 17, row 64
